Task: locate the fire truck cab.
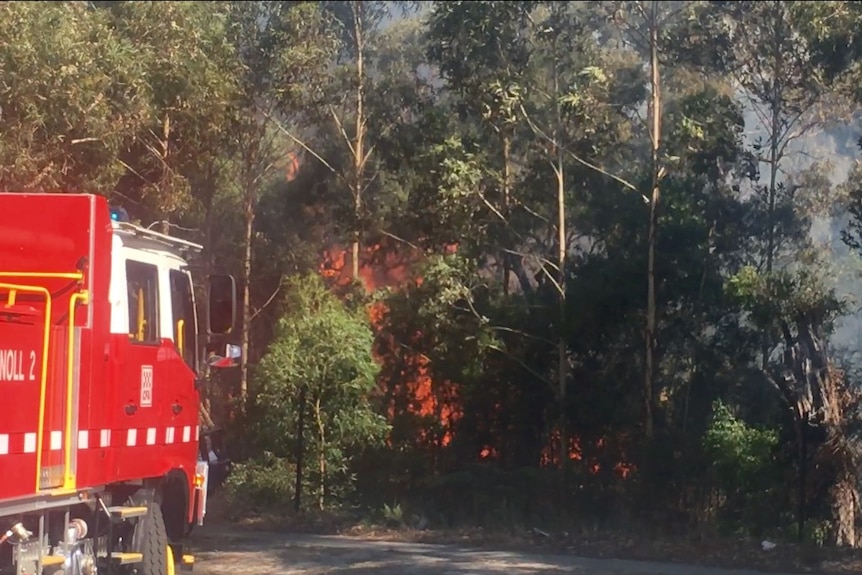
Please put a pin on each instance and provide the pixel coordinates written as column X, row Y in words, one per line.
column 101, row 359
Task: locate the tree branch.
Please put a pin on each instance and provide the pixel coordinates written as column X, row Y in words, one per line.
column 305, row 147
column 268, row 301
column 583, row 162
column 341, row 129
column 526, row 367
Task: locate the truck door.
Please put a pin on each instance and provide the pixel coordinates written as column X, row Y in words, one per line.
column 185, row 320
column 180, row 391
column 141, row 372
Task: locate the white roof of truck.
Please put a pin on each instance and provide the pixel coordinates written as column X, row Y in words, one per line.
column 137, row 237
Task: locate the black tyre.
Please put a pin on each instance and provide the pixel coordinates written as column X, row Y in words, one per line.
column 153, row 543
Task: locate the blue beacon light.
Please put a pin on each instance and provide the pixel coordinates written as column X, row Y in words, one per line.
column 119, row 214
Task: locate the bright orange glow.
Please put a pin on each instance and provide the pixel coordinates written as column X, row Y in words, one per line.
column 387, row 268
column 551, row 455
column 439, row 401
column 488, row 452
column 378, row 268
column 293, row 166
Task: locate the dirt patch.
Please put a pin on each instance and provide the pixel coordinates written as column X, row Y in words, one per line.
column 709, row 552
column 263, row 553
column 726, row 554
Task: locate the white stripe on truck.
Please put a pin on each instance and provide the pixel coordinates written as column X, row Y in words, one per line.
column 25, row 443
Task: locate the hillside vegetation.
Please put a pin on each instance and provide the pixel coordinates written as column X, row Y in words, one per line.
column 504, row 264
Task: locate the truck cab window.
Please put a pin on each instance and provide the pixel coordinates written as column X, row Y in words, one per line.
column 183, row 311
column 143, row 288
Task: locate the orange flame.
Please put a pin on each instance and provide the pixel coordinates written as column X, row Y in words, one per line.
column 550, row 456
column 378, row 269
column 386, row 268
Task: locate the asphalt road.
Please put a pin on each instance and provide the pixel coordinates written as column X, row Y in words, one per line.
column 249, row 553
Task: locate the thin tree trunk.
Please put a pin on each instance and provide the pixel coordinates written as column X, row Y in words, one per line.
column 354, row 249
column 246, row 298
column 774, row 144
column 359, row 137
column 562, row 359
column 774, row 159
column 694, row 363
column 321, row 455
column 300, row 449
column 655, row 136
column 203, row 344
column 507, row 192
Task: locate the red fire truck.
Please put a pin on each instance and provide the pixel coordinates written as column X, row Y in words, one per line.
column 100, row 465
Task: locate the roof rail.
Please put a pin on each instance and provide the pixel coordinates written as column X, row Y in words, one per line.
column 174, row 242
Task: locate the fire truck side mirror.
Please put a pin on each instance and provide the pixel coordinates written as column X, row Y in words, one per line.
column 221, row 305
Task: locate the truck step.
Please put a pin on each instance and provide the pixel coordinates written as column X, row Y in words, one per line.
column 53, row 560
column 187, row 563
column 119, row 558
column 121, row 512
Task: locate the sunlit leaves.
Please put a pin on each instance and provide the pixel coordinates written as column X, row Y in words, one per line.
column 192, row 85
column 785, row 296
column 326, row 348
column 73, row 94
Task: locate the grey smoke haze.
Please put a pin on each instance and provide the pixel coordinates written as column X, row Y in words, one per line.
column 836, row 145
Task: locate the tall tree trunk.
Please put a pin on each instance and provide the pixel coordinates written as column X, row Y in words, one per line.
column 359, row 137
column 300, row 449
column 562, row 356
column 250, row 201
column 776, row 110
column 802, row 475
column 845, row 501
column 507, row 194
column 321, row 456
column 655, row 137
column 209, row 265
column 560, row 174
column 205, row 408
column 246, row 299
column 775, row 129
column 818, row 395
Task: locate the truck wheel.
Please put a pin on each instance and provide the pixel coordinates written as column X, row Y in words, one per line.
column 154, row 543
column 172, row 564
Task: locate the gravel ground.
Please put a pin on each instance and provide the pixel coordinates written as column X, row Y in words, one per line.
column 225, row 553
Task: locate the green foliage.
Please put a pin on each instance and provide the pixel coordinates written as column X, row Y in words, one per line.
column 744, row 466
column 739, row 452
column 319, row 364
column 193, row 112
column 432, row 328
column 831, row 30
column 394, row 515
column 263, row 484
column 74, row 96
column 771, row 298
column 192, row 89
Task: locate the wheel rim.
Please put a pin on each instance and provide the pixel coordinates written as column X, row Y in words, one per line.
column 172, row 567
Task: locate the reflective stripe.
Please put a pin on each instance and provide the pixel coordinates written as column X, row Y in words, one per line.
column 25, row 443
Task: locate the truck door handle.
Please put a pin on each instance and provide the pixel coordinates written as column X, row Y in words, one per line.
column 176, row 408
column 131, row 409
